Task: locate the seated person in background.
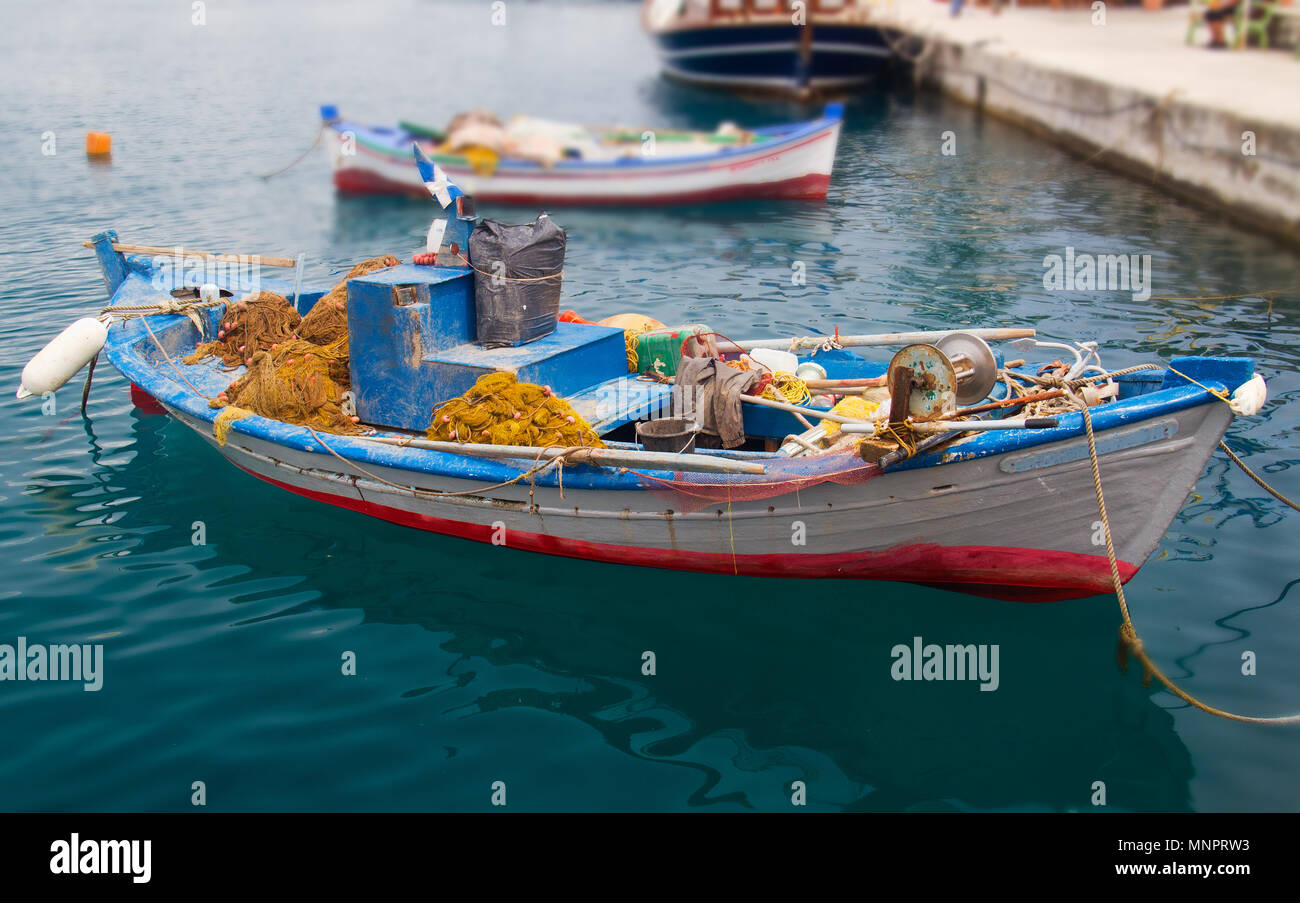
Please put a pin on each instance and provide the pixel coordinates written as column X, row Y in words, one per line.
column 1219, row 11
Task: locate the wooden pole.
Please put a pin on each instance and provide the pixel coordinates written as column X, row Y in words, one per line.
column 797, row 410
column 807, row 343
column 1020, row 423
column 847, row 390
column 607, row 457
column 927, row 427
column 1012, row 402
column 861, row 383
column 206, row 255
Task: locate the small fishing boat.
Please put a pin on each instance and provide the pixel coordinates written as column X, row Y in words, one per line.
column 769, row 45
column 543, row 163
column 914, row 484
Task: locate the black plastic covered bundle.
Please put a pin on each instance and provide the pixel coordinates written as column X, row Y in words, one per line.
column 515, row 301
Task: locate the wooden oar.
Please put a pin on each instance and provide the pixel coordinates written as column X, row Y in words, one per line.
column 928, row 427
column 807, row 343
column 1012, row 402
column 866, row 382
column 979, row 426
column 207, row 255
column 607, row 457
column 850, row 390
column 798, row 410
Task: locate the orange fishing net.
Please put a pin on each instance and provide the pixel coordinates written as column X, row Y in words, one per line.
column 327, row 321
column 291, row 382
column 297, row 366
column 500, row 410
column 250, row 325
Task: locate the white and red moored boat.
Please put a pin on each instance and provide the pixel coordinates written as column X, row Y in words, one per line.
column 541, row 162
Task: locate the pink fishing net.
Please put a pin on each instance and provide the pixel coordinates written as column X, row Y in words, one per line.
column 688, row 492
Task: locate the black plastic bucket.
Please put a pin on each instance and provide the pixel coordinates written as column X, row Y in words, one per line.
column 671, row 434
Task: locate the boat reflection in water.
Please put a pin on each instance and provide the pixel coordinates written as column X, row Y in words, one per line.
column 755, row 686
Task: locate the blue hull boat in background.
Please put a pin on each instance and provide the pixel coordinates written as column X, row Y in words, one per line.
column 769, row 47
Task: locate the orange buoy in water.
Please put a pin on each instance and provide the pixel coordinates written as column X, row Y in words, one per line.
column 98, row 143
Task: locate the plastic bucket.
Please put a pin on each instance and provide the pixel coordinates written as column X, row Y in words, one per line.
column 671, row 434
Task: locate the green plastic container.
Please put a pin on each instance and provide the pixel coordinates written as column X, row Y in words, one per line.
column 660, row 350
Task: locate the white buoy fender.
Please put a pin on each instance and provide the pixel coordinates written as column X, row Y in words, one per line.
column 1249, row 397
column 60, row 360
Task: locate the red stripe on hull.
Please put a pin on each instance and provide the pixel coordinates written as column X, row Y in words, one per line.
column 1019, row 575
column 146, row 403
column 811, row 187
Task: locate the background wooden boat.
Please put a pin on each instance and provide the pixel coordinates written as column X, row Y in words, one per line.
column 1011, row 515
column 761, row 45
column 791, row 161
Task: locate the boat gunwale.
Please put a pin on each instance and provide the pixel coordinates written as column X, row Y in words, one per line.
column 127, row 340
column 851, row 15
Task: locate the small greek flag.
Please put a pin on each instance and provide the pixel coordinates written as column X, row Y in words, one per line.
column 435, row 179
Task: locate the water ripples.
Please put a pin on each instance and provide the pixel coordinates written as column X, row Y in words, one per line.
column 475, row 665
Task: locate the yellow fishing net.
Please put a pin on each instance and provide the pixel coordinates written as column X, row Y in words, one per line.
column 854, row 406
column 221, row 426
column 630, row 344
column 500, row 410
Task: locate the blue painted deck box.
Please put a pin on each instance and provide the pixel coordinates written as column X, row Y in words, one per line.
column 412, row 338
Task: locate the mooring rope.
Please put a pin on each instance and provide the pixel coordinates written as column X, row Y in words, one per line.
column 303, row 156
column 1129, row 642
column 531, row 474
column 897, row 46
column 174, row 306
column 1257, row 478
column 168, row 358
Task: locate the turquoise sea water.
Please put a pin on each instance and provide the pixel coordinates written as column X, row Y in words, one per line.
column 479, row 664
